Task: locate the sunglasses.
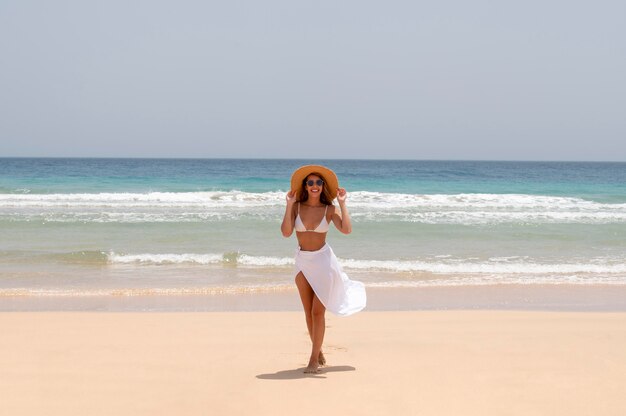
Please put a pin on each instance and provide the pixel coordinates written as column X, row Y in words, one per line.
column 318, row 182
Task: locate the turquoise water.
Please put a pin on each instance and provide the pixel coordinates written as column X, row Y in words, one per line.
column 94, row 226
column 597, row 181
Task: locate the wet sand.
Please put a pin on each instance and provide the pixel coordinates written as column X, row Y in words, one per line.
column 605, row 298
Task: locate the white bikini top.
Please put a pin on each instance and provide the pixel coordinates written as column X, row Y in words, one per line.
column 323, row 227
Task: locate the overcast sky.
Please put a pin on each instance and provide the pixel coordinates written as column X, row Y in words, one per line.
column 523, row 80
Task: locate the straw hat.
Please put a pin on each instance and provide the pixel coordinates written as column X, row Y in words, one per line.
column 330, row 179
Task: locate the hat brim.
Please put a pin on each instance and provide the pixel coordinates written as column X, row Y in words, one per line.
column 330, row 179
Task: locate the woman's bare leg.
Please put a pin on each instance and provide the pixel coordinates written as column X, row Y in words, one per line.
column 318, row 313
column 306, row 296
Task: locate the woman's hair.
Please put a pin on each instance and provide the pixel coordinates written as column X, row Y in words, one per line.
column 325, row 197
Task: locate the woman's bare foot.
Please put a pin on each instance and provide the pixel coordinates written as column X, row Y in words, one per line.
column 312, row 368
column 322, row 359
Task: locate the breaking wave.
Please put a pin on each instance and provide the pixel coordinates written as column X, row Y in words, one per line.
column 468, row 209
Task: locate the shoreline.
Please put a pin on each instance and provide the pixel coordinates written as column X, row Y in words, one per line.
column 599, row 298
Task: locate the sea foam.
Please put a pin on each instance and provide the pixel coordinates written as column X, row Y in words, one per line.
column 467, row 209
column 436, row 265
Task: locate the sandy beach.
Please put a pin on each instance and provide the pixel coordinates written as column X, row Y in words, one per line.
column 239, row 363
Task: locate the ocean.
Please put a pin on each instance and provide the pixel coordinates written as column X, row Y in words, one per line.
column 123, row 227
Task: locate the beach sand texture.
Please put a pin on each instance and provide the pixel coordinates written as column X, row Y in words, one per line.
column 399, row 363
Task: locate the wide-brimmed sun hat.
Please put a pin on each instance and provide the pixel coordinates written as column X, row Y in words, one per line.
column 330, row 179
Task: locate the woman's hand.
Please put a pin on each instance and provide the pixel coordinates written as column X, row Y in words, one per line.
column 287, row 225
column 341, row 219
column 341, row 195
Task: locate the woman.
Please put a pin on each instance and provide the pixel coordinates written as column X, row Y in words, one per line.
column 320, row 280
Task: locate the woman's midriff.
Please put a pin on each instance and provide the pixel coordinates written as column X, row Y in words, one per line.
column 310, row 241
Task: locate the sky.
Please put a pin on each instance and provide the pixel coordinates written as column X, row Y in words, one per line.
column 473, row 80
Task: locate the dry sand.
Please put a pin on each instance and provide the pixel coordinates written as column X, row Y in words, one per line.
column 396, row 363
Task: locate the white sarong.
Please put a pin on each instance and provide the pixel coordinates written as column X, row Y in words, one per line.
column 334, row 289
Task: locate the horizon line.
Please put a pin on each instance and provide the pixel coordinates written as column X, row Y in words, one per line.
column 309, row 159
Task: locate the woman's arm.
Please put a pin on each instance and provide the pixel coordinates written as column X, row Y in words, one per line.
column 288, row 220
column 341, row 219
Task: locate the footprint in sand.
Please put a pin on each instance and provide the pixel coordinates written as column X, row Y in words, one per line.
column 336, row 348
